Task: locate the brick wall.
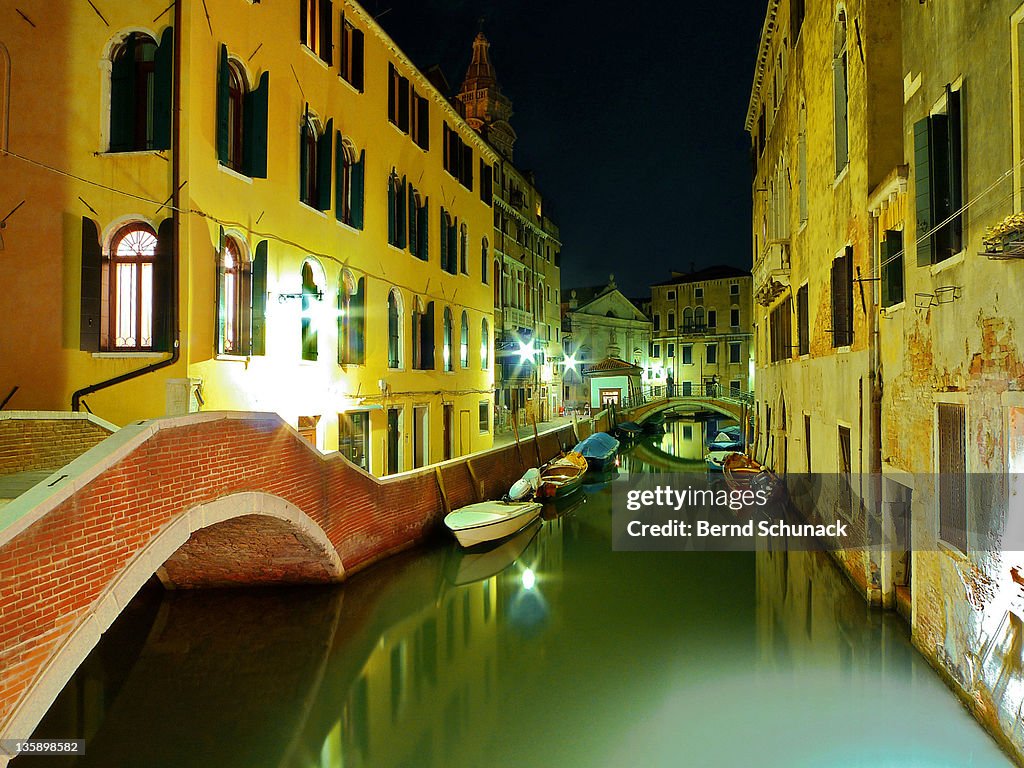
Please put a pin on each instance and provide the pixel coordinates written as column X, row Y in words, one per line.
column 35, row 443
column 54, row 572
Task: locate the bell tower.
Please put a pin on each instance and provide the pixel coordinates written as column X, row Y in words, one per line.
column 488, row 110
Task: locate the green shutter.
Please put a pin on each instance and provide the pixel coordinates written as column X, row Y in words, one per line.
column 884, row 253
column 223, row 106
column 218, row 257
column 324, row 145
column 840, row 96
column 92, row 287
column 403, row 104
column 444, row 241
column 259, row 299
column 923, row 192
column 427, row 338
column 422, row 223
column 356, row 182
column 357, row 326
column 400, row 215
column 953, row 109
column 392, row 211
column 339, row 175
column 357, row 59
column 255, row 130
column 413, row 223
column 303, row 160
column 163, row 288
column 163, row 94
column 122, row 99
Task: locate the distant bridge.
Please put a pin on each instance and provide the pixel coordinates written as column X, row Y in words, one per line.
column 715, row 398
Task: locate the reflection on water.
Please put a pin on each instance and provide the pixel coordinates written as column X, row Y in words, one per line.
column 549, row 650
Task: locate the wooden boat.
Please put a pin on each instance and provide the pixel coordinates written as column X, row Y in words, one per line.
column 715, row 460
column 599, row 450
column 562, row 476
column 743, row 473
column 490, row 520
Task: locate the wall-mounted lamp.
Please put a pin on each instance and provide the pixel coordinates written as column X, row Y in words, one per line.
column 283, row 297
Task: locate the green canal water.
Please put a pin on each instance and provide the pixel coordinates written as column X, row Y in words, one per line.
column 552, row 650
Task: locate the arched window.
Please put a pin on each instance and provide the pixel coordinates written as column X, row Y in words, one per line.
column 349, row 203
column 308, row 190
column 394, row 330
column 498, row 283
column 132, row 90
column 840, row 100
column 698, row 319
column 483, row 261
column 485, row 346
column 464, row 342
column 396, row 210
column 351, row 320
column 236, row 117
column 133, row 260
column 423, row 335
column 234, row 300
column 464, row 249
column 447, row 349
column 687, row 319
column 311, row 293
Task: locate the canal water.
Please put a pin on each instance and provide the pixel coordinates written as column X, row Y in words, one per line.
column 551, row 650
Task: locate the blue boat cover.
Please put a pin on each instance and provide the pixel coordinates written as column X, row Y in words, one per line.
column 599, row 445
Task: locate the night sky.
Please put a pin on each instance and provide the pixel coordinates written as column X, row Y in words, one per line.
column 631, row 116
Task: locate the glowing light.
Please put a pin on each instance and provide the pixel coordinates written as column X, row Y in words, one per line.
column 529, row 579
column 570, row 362
column 527, row 351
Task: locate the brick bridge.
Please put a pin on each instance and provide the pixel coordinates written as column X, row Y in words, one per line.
column 211, row 499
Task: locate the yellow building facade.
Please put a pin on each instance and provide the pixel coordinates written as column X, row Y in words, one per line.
column 231, row 220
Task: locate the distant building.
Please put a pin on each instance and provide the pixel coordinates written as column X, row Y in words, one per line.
column 598, row 323
column 702, row 331
column 525, row 260
column 294, row 222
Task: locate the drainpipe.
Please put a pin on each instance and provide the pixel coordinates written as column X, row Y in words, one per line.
column 883, row 558
column 77, row 396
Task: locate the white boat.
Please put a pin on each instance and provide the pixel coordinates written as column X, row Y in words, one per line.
column 490, row 520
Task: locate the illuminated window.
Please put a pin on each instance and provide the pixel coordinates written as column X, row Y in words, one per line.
column 464, row 342
column 485, row 346
column 315, row 27
column 351, row 320
column 140, row 93
column 447, row 342
column 234, row 300
column 132, row 263
column 310, row 293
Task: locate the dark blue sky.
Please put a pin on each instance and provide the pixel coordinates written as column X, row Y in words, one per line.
column 630, row 116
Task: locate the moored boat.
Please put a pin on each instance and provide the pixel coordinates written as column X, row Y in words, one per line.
column 562, row 476
column 599, row 450
column 728, row 439
column 490, row 520
column 483, row 562
column 715, row 460
column 742, row 473
column 627, row 430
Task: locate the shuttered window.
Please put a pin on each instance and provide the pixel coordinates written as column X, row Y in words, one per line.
column 891, row 255
column 802, row 322
column 938, row 182
column 316, row 27
column 140, row 93
column 351, row 53
column 842, row 299
column 780, row 329
column 839, row 92
column 315, row 163
column 952, row 490
column 241, row 119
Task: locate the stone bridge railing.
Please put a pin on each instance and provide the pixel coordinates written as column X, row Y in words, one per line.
column 209, row 499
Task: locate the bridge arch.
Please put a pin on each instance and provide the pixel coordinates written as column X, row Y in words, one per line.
column 201, row 547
